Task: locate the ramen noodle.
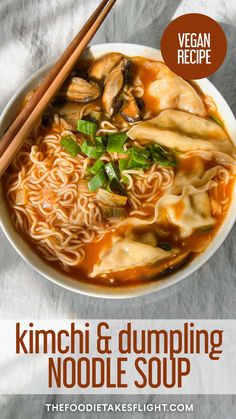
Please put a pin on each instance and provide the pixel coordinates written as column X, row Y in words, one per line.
column 127, row 176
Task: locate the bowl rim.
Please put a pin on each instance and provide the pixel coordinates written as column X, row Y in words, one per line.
column 98, row 291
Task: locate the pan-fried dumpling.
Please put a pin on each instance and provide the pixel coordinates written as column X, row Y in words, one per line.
column 126, row 254
column 193, row 132
column 190, row 212
column 171, row 91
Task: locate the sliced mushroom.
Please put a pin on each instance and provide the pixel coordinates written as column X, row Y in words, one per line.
column 162, row 269
column 102, row 66
column 80, row 90
column 69, row 111
column 131, row 111
column 170, row 265
column 113, row 85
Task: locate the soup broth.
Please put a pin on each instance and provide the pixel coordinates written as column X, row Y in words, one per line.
column 127, row 176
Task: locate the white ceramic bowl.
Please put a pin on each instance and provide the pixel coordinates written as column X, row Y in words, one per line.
column 44, row 268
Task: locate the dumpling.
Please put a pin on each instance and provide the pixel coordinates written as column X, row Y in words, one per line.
column 186, row 204
column 190, row 124
column 190, row 212
column 193, row 132
column 127, row 253
column 171, row 91
column 196, row 179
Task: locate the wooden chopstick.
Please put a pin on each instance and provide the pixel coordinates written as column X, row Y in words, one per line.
column 12, row 131
column 26, row 119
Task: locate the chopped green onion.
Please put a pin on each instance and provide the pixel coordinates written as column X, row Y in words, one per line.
column 132, row 164
column 111, row 171
column 139, row 154
column 139, row 158
column 87, row 127
column 21, row 197
column 123, row 163
column 111, row 199
column 101, row 140
column 113, row 212
column 217, row 120
column 96, row 116
column 108, row 188
column 205, row 229
column 162, row 156
column 70, row 145
column 124, row 179
column 165, row 246
column 116, row 142
column 97, row 181
column 93, row 151
column 116, row 186
column 96, row 167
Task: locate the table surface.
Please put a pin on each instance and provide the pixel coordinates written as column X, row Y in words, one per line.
column 31, row 34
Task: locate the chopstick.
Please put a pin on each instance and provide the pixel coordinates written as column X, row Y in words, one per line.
column 27, row 118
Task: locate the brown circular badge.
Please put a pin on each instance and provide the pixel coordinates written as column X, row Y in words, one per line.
column 194, row 46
